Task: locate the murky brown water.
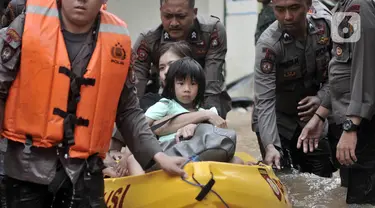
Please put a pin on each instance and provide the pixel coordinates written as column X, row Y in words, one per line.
column 305, row 190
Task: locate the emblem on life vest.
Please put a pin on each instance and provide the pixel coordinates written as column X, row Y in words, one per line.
column 118, row 53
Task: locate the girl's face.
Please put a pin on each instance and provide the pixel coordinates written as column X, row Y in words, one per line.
column 165, row 60
column 186, row 90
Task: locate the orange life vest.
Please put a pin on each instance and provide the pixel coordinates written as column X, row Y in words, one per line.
column 37, row 105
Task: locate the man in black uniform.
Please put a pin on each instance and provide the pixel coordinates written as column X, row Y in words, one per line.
column 207, row 38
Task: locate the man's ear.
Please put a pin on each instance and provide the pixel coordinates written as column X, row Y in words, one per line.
column 195, row 11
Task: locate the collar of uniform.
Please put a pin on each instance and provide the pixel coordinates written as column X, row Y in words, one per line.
column 194, row 35
column 285, row 37
column 165, row 37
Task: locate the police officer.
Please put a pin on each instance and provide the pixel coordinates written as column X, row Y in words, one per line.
column 352, row 91
column 207, row 38
column 50, row 94
column 266, row 17
column 291, row 62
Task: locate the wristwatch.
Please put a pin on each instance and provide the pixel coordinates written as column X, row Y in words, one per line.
column 349, row 126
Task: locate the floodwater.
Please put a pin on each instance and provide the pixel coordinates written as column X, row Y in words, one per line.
column 305, row 190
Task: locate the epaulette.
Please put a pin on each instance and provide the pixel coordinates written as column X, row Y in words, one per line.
column 207, row 23
column 327, row 18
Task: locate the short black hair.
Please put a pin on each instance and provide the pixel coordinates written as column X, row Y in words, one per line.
column 191, row 3
column 180, row 70
column 179, row 48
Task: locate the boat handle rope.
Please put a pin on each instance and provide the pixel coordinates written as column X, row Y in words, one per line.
column 205, row 188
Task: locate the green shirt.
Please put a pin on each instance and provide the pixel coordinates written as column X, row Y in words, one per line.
column 166, row 107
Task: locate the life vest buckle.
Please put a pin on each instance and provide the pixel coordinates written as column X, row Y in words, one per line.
column 28, row 144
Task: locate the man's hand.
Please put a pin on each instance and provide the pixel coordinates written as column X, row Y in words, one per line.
column 307, row 107
column 346, row 148
column 272, row 156
column 216, row 120
column 171, row 165
column 185, row 132
column 311, row 134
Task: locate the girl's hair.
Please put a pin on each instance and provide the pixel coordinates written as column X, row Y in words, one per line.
column 180, row 48
column 180, row 70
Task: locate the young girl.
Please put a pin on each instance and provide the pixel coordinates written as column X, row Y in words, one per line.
column 123, row 163
column 169, row 53
column 183, row 92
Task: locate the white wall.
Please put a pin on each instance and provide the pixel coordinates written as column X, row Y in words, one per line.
column 240, row 23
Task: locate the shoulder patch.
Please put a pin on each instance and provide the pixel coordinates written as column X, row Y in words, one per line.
column 266, row 66
column 215, row 40
column 7, row 53
column 267, row 63
column 142, row 51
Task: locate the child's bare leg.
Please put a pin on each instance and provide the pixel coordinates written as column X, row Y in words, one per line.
column 134, row 168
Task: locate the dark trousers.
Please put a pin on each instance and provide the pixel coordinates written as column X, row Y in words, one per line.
column 87, row 192
column 3, row 202
column 318, row 162
column 334, row 134
column 361, row 175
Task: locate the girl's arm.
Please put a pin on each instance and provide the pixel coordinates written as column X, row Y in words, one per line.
column 185, row 119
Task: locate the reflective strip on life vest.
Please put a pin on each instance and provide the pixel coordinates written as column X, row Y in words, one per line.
column 109, row 28
column 50, row 12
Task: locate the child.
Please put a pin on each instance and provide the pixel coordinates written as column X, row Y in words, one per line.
column 183, row 92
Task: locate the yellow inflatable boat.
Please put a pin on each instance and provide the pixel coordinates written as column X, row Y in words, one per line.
column 210, row 184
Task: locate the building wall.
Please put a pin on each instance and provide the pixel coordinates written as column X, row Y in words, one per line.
column 240, row 24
